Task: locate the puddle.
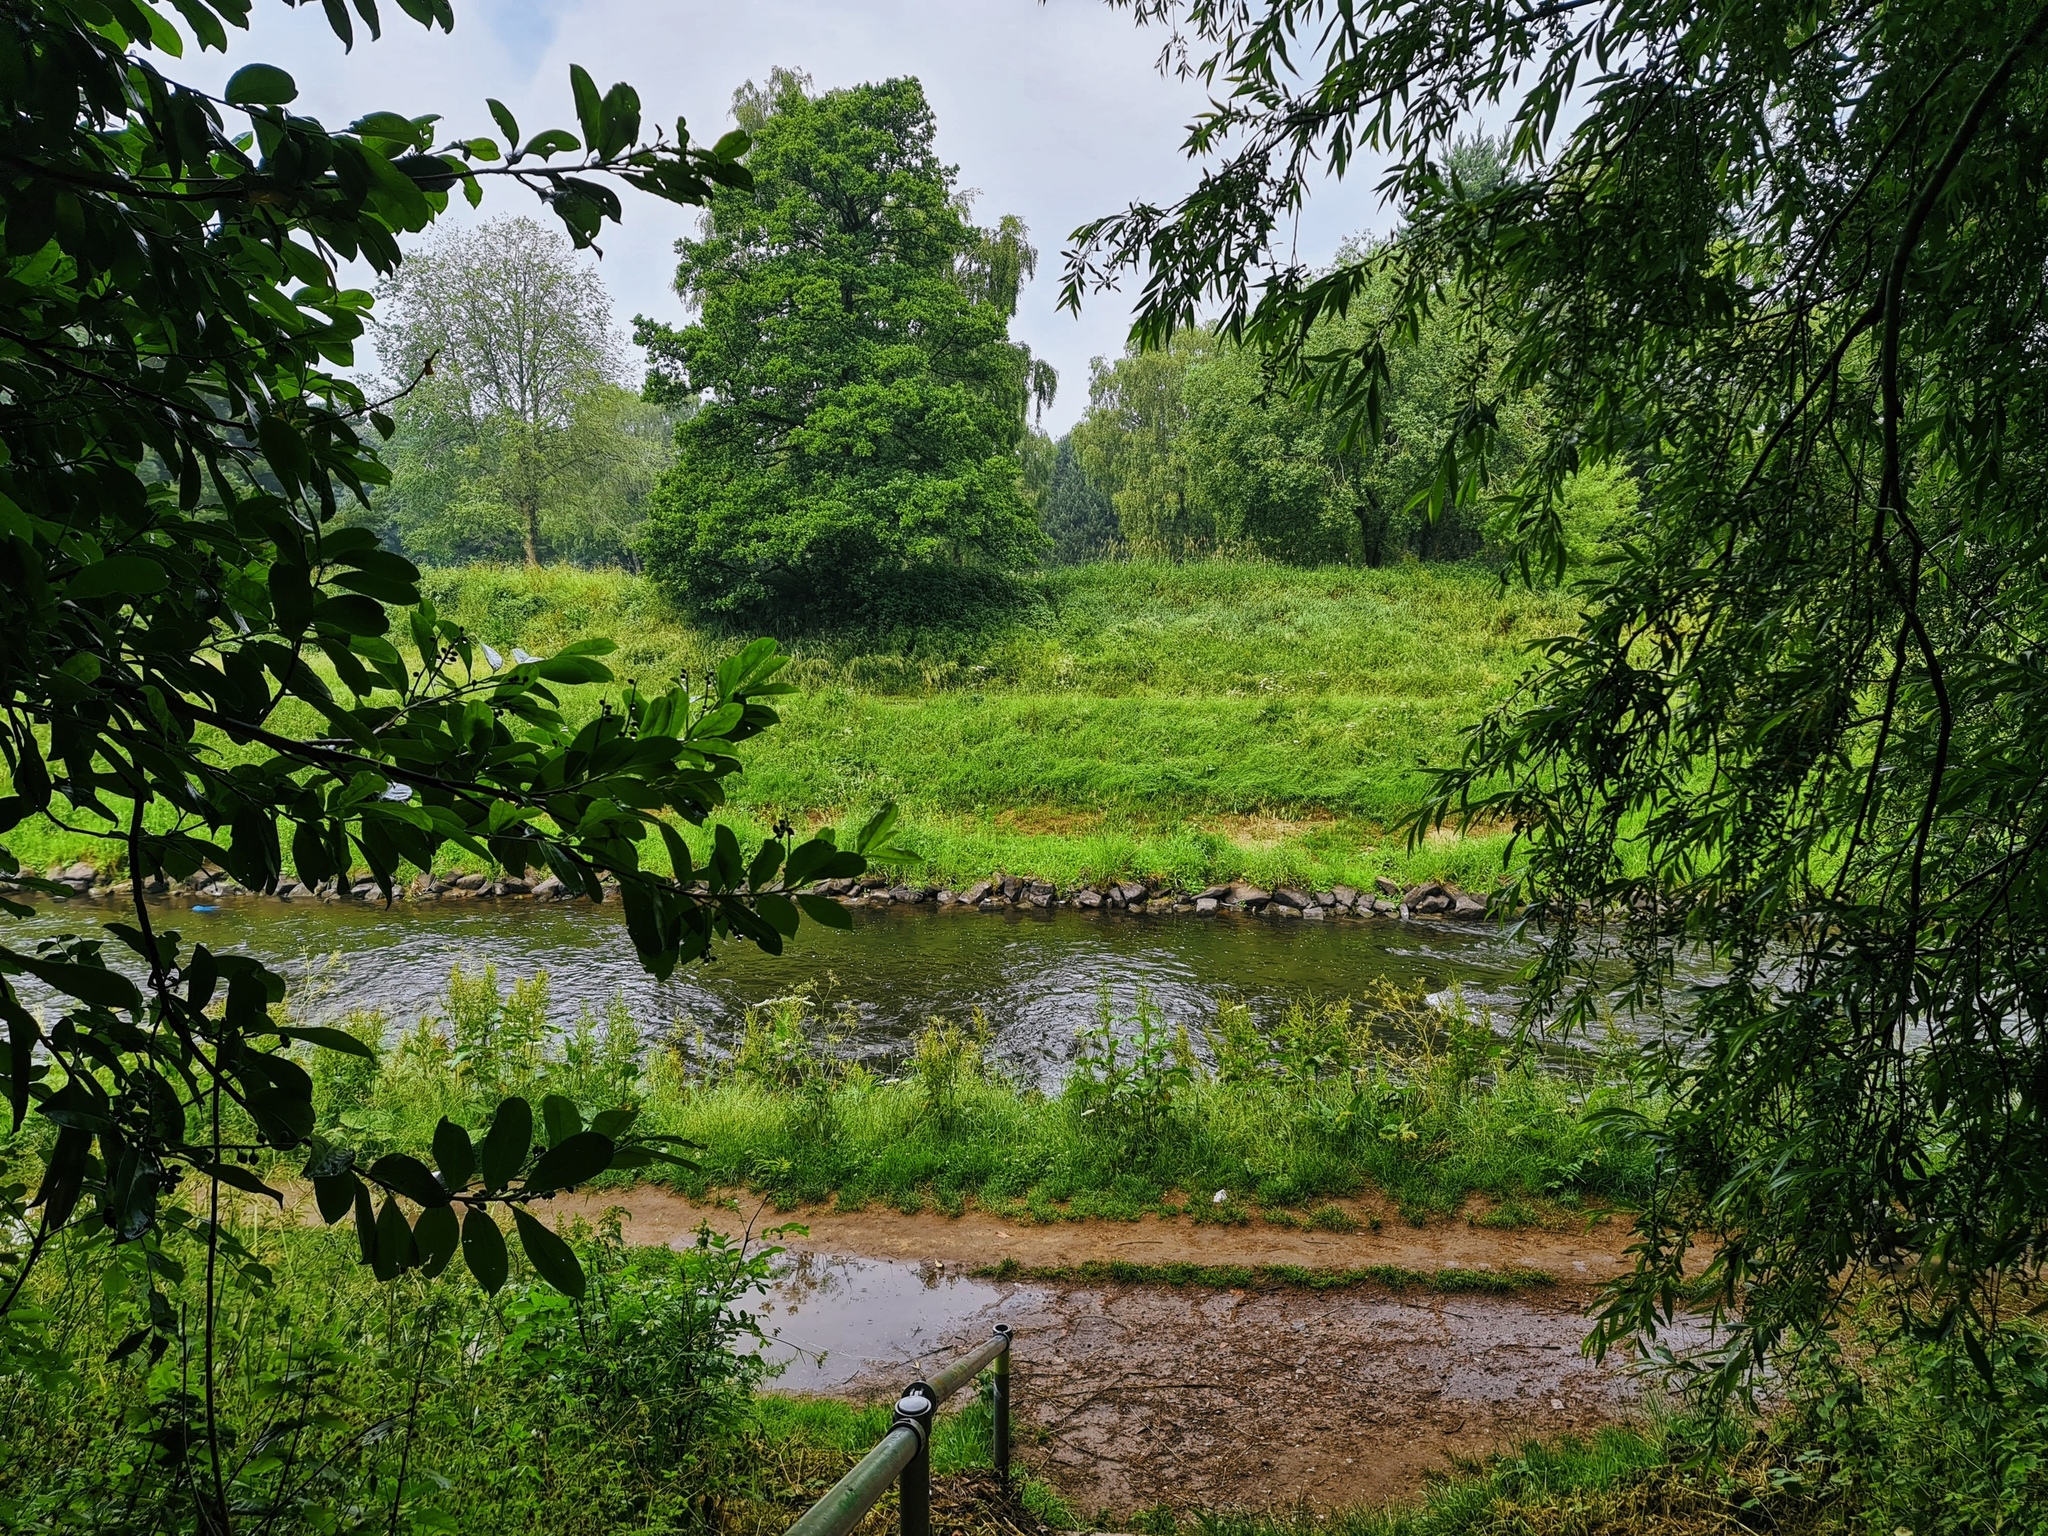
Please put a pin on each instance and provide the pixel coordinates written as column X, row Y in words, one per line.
column 1230, row 1399
column 838, row 1320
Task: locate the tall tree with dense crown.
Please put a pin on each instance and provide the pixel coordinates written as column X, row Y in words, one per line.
column 1782, row 264
column 861, row 403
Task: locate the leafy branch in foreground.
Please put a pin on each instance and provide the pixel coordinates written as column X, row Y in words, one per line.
column 175, row 595
column 1783, row 268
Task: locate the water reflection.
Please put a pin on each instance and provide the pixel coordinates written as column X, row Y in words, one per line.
column 1038, row 976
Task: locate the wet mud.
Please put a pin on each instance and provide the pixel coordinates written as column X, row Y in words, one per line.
column 1131, row 1395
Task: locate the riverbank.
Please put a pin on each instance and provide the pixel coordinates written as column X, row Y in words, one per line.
column 1187, row 726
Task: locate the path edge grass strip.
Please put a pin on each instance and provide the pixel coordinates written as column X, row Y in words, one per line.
column 1266, row 1277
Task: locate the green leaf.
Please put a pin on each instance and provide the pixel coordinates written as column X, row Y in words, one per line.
column 551, row 142
column 394, row 1242
column 483, row 1250
column 87, row 983
column 502, row 116
column 119, row 575
column 576, row 1160
column 824, row 911
column 240, row 1178
column 589, row 105
column 435, row 1236
column 454, row 1153
column 732, row 145
column 409, row 1177
column 559, row 1118
column 260, row 85
column 506, row 1143
column 552, row 1259
column 329, row 1039
column 352, row 615
column 334, row 1196
column 876, row 833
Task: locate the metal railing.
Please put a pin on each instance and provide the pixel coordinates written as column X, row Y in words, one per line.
column 905, row 1453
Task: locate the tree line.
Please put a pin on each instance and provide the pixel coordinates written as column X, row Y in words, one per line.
column 844, row 420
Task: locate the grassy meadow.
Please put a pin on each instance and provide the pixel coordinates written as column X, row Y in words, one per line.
column 1191, row 723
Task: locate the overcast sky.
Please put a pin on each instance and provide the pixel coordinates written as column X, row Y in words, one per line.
column 1053, row 112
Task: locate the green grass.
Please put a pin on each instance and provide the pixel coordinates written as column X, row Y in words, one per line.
column 1188, row 723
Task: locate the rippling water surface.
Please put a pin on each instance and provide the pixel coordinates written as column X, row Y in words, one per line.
column 1038, row 976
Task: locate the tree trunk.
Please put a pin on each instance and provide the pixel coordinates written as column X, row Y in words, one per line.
column 532, row 534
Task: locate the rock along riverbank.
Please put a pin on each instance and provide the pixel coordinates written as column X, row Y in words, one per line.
column 1387, row 899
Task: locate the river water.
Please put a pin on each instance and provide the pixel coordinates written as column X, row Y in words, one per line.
column 1037, row 976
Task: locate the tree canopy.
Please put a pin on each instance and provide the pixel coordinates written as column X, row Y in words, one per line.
column 1780, row 262
column 859, row 401
column 517, row 438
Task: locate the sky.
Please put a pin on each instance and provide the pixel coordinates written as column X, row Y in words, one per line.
column 1054, row 112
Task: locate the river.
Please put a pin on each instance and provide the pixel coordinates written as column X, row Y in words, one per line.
column 1038, row 976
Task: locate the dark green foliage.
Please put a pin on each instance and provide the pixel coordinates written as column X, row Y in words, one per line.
column 861, row 409
column 411, row 1407
column 1074, row 514
column 173, row 576
column 1784, row 268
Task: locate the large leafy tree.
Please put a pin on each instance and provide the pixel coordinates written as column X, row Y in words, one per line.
column 1781, row 259
column 861, row 404
column 200, row 665
column 516, row 437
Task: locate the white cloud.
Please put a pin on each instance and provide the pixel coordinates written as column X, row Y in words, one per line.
column 1054, row 112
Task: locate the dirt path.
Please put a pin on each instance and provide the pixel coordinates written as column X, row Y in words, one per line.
column 1575, row 1258
column 1129, row 1395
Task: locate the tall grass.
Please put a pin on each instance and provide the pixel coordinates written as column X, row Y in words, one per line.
column 1339, row 1098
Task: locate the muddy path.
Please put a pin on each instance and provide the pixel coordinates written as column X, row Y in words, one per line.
column 1579, row 1257
column 1132, row 1395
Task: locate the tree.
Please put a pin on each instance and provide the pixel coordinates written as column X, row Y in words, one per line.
column 861, row 403
column 1074, row 515
column 198, row 665
column 515, row 434
column 1783, row 268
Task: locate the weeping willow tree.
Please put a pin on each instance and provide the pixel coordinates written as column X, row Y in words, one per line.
column 1784, row 268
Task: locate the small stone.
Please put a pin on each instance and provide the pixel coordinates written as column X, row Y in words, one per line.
column 1431, row 906
column 1087, row 900
column 1468, row 907
column 1213, row 893
column 1315, row 913
column 1131, row 892
column 288, row 888
column 1387, row 888
column 947, row 898
column 1287, row 896
column 515, row 887
column 469, row 882
column 1242, row 895
column 365, row 888
column 1012, row 887
column 79, row 874
column 551, row 889
column 1041, row 895
column 973, row 895
column 1381, row 907
column 1206, row 904
column 1342, row 896
column 1278, row 910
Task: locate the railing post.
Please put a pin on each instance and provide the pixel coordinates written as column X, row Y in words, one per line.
column 1000, row 1402
column 916, row 1410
